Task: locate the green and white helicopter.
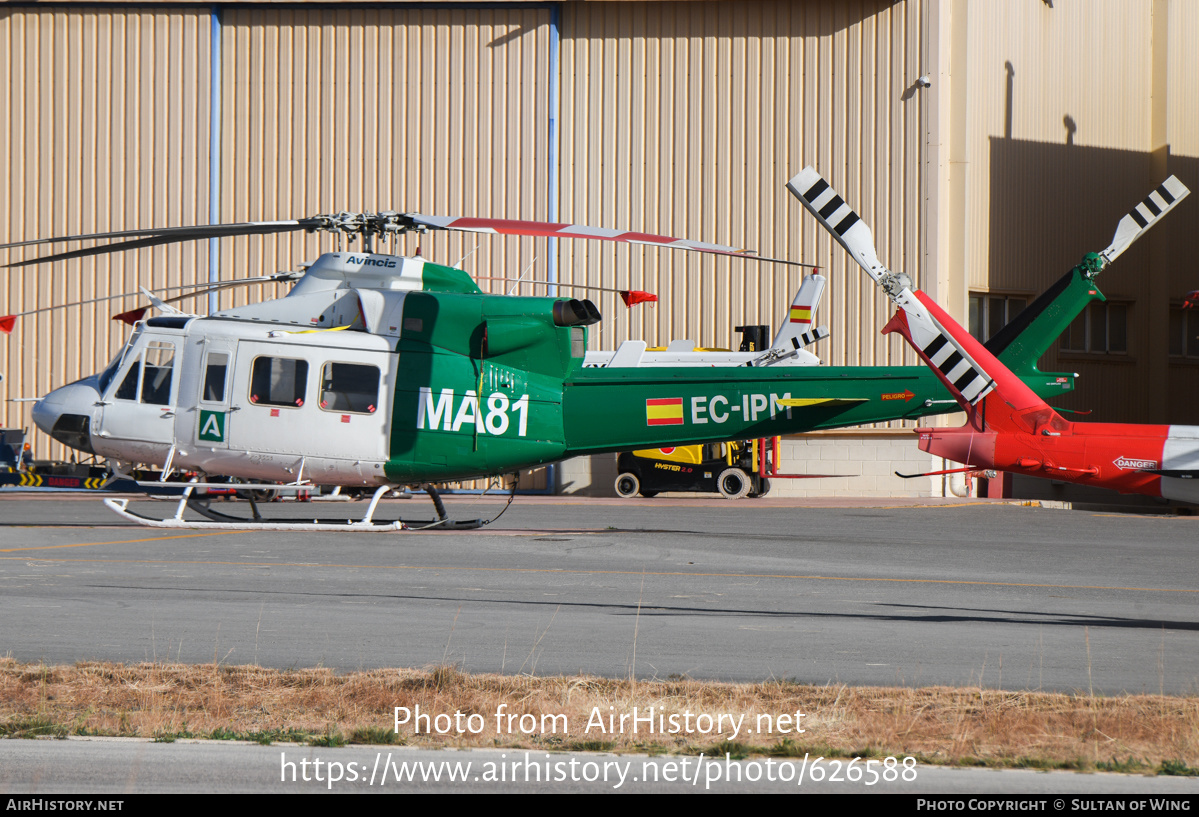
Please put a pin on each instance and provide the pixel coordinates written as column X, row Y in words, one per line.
column 379, row 371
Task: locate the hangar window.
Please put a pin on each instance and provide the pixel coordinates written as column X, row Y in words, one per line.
column 989, row 313
column 1102, row 328
column 350, row 387
column 1184, row 332
column 278, row 381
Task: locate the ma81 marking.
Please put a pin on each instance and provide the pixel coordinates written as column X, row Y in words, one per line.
column 494, row 421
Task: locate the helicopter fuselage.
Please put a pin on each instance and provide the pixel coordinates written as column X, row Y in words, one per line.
column 369, row 374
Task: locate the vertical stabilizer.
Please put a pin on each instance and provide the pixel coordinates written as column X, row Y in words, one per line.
column 798, row 328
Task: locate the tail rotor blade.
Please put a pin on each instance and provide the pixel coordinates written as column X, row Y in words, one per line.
column 843, row 224
column 925, row 327
column 1161, row 201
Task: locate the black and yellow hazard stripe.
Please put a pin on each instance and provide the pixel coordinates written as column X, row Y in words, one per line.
column 27, row 480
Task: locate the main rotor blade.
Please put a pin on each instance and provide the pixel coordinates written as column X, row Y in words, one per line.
column 503, row 226
column 161, row 235
column 8, row 322
column 375, row 224
column 549, row 229
column 132, row 316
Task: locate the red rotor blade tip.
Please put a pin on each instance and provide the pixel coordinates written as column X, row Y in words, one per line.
column 132, row 316
column 7, row 323
column 632, row 297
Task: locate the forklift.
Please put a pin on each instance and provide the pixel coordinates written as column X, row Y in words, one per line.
column 728, row 468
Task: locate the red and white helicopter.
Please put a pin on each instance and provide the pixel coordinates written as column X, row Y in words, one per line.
column 1008, row 427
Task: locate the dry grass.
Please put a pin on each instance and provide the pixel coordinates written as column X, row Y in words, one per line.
column 1143, row 733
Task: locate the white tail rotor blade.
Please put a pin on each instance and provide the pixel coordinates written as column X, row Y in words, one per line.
column 927, row 334
column 1161, row 201
column 838, row 218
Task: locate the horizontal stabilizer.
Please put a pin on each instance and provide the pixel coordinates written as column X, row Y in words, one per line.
column 1161, row 201
column 806, row 402
column 991, row 474
column 808, row 338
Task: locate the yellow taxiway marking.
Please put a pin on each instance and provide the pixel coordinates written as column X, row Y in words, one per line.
column 565, row 571
column 127, row 542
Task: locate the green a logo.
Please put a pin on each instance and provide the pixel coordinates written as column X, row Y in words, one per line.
column 212, row 426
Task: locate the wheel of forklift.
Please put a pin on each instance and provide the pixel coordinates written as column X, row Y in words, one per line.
column 733, row 483
column 627, row 485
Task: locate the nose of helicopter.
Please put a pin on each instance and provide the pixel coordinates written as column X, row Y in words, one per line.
column 66, row 413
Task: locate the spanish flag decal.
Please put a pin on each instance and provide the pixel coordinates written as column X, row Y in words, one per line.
column 664, row 411
column 801, row 314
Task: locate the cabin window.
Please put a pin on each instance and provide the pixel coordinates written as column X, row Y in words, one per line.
column 110, row 371
column 128, row 388
column 214, row 377
column 156, row 374
column 153, row 371
column 278, row 381
column 350, row 388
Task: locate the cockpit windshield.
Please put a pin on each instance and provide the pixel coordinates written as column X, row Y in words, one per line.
column 110, row 371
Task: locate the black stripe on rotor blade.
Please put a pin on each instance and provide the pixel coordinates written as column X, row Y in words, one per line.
column 1138, row 218
column 834, row 204
column 1151, row 206
column 1165, row 194
column 965, row 380
column 950, row 362
column 846, row 223
column 934, row 346
column 815, row 190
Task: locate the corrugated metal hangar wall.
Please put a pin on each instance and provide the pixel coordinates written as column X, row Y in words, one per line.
column 1043, row 124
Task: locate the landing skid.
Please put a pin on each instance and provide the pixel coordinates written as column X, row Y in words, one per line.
column 222, row 521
